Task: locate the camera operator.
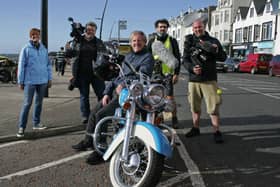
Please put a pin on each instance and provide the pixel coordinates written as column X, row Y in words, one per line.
column 200, row 54
column 84, row 51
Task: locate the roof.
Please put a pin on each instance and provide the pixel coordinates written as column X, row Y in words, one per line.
column 259, row 5
column 243, row 12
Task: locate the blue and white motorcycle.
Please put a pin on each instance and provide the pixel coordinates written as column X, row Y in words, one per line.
column 137, row 148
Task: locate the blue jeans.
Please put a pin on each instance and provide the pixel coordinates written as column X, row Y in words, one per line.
column 29, row 91
column 84, row 87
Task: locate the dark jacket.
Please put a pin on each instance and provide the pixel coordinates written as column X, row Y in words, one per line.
column 74, row 53
column 209, row 72
column 175, row 48
column 141, row 61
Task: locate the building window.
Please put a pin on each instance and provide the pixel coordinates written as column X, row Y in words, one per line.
column 226, row 16
column 221, row 36
column 216, row 34
column 226, row 35
column 173, row 34
column 238, row 35
column 179, row 33
column 257, row 29
column 216, row 19
column 267, row 31
column 245, row 34
column 226, row 2
column 251, row 12
column 238, row 16
column 267, row 8
column 221, row 18
column 250, row 33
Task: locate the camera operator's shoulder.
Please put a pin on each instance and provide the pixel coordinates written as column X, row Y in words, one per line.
column 189, row 38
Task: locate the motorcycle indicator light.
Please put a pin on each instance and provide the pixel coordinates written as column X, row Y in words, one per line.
column 126, row 105
column 158, row 120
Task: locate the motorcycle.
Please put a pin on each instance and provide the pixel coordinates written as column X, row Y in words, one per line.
column 136, row 147
column 8, row 71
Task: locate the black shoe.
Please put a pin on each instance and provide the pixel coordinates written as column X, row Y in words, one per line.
column 193, row 132
column 82, row 146
column 94, row 158
column 175, row 122
column 218, row 137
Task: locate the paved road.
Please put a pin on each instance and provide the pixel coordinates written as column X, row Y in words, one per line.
column 249, row 156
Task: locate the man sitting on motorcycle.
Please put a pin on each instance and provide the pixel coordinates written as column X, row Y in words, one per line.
column 142, row 61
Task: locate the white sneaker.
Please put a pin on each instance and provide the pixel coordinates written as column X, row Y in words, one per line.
column 40, row 126
column 20, row 133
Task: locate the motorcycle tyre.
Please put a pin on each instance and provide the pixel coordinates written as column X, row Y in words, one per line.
column 6, row 76
column 152, row 174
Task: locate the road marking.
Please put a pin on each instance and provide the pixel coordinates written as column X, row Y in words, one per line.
column 193, row 170
column 44, row 166
column 174, row 180
column 269, row 150
column 222, row 171
column 261, row 137
column 251, row 133
column 254, row 91
column 13, row 143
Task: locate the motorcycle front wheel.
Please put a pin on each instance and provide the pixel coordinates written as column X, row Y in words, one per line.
column 144, row 166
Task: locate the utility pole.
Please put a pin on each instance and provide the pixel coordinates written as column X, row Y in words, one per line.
column 102, row 18
column 44, row 29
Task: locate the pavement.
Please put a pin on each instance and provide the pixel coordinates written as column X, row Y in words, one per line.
column 61, row 112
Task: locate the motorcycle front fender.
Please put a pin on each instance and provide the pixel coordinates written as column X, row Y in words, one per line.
column 149, row 134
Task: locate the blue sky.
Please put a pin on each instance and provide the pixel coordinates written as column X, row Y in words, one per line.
column 18, row 16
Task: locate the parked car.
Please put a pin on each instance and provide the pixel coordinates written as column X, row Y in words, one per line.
column 255, row 63
column 232, row 64
column 221, row 67
column 274, row 66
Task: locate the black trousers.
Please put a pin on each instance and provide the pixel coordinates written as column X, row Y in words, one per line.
column 98, row 113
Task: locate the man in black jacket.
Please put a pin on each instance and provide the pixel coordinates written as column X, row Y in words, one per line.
column 171, row 75
column 84, row 52
column 200, row 54
column 142, row 61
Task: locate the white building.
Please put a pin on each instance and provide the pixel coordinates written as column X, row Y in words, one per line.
column 254, row 29
column 276, row 12
column 182, row 25
column 222, row 19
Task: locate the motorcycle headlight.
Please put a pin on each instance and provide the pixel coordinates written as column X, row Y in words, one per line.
column 155, row 95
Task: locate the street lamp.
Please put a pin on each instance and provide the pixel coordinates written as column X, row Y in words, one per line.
column 44, row 29
column 102, row 18
column 122, row 25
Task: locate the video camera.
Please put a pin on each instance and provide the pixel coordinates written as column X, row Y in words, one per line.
column 77, row 29
column 105, row 67
column 201, row 51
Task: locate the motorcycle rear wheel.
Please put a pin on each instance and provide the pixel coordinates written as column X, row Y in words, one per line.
column 144, row 168
column 6, row 76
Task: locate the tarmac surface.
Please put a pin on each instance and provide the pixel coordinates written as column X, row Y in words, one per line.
column 61, row 110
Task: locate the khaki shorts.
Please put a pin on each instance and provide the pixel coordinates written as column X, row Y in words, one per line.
column 206, row 90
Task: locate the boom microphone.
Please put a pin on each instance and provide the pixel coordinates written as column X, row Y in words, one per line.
column 164, row 54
